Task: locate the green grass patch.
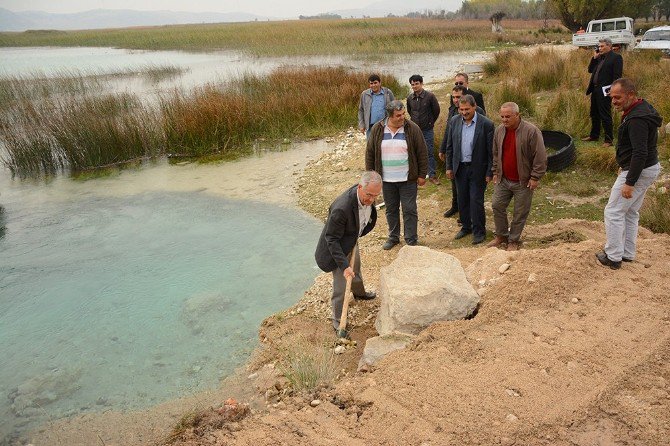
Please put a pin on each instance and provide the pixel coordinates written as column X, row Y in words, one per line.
column 308, row 366
column 655, row 212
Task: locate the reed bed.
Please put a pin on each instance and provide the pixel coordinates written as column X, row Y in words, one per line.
column 39, row 85
column 305, row 37
column 288, row 103
column 78, row 133
column 85, row 130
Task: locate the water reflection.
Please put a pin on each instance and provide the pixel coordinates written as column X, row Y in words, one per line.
column 200, row 68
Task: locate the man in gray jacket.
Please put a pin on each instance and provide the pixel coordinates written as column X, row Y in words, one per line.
column 519, row 161
column 371, row 108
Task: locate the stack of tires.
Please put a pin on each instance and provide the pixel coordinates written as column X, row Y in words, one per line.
column 564, row 150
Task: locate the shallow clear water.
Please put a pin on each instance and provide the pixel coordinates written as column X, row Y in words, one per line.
column 219, row 65
column 124, row 301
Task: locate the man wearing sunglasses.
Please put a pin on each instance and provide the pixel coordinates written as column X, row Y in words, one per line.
column 371, row 108
column 463, row 80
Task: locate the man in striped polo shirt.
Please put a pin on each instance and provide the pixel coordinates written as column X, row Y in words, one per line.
column 397, row 151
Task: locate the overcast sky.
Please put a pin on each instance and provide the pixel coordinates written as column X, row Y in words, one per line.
column 261, row 7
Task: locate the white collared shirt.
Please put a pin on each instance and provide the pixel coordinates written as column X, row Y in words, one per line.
column 364, row 214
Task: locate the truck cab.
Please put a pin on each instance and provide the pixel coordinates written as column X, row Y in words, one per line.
column 619, row 29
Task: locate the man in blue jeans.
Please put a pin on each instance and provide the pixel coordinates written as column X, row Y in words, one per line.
column 371, row 107
column 424, row 110
column 637, row 157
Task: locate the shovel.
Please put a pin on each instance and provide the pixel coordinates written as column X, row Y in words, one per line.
column 348, row 296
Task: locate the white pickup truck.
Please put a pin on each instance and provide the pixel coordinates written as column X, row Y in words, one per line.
column 619, row 30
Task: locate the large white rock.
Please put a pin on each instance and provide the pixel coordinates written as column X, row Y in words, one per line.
column 422, row 286
column 380, row 346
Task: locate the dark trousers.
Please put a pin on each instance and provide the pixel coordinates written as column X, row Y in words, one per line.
column 340, row 286
column 429, row 137
column 396, row 195
column 454, row 195
column 601, row 110
column 471, row 199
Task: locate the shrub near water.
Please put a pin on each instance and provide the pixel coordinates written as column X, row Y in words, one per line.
column 88, row 130
column 78, row 133
column 289, row 102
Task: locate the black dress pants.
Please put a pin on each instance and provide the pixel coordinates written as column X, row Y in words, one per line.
column 601, row 111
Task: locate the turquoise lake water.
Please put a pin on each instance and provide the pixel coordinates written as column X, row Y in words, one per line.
column 124, row 302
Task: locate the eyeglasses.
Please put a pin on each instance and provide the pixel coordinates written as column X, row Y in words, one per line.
column 459, row 83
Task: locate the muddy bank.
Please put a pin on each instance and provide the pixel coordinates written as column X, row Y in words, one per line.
column 562, row 351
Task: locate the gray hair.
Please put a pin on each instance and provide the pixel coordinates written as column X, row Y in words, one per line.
column 606, row 40
column 627, row 85
column 393, row 106
column 512, row 106
column 468, row 99
column 370, row 176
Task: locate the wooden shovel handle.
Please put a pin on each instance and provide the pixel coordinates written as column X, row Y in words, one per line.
column 347, row 293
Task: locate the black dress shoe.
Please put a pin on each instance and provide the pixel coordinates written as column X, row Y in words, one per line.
column 605, row 261
column 624, row 259
column 450, row 212
column 412, row 243
column 477, row 239
column 389, row 244
column 462, row 233
column 369, row 295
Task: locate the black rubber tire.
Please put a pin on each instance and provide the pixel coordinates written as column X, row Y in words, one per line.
column 564, row 145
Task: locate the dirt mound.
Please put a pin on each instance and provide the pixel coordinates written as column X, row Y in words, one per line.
column 562, row 351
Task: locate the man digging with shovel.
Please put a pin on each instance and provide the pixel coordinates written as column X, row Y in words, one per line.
column 352, row 215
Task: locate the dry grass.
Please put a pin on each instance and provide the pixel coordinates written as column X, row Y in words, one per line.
column 301, row 37
column 307, row 366
column 79, row 129
column 655, row 213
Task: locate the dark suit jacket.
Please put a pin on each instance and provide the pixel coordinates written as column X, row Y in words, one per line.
column 611, row 70
column 482, row 146
column 453, row 111
column 340, row 232
column 479, row 99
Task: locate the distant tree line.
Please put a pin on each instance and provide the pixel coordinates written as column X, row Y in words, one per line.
column 572, row 13
column 576, row 13
column 324, row 16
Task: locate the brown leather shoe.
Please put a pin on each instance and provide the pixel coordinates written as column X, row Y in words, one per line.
column 607, row 144
column 513, row 246
column 588, row 138
column 497, row 241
